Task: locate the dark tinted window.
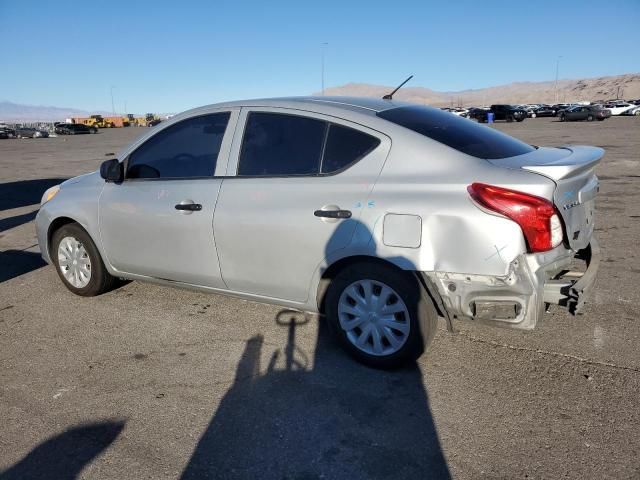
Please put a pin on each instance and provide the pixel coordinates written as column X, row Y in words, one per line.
column 460, row 133
column 277, row 144
column 187, row 149
column 344, row 147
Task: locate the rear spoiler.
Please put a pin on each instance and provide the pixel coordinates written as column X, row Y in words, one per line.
column 580, row 159
column 555, row 163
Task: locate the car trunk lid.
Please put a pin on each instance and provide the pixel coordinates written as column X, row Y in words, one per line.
column 572, row 168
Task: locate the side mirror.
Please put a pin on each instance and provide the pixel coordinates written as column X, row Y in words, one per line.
column 112, row 170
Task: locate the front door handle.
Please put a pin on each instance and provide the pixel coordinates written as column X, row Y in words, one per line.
column 190, row 207
column 333, row 213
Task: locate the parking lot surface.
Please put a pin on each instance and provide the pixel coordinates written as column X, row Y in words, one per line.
column 153, row 382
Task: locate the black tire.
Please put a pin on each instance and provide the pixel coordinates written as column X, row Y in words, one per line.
column 590, row 118
column 100, row 281
column 600, row 119
column 562, row 118
column 509, row 118
column 521, row 119
column 423, row 317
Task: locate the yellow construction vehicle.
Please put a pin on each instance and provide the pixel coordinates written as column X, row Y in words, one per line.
column 97, row 121
column 129, row 120
column 152, row 120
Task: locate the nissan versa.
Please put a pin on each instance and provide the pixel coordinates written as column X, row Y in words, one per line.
column 379, row 214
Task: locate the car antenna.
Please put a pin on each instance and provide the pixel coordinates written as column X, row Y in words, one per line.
column 389, row 96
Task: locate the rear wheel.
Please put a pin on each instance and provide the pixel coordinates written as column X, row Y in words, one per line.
column 380, row 315
column 509, row 118
column 562, row 117
column 78, row 262
column 590, row 118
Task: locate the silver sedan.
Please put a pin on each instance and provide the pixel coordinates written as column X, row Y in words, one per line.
column 381, row 215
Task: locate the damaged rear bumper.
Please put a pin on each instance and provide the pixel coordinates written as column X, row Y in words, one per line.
column 518, row 299
column 571, row 289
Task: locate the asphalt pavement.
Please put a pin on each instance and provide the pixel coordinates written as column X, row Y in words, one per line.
column 153, row 382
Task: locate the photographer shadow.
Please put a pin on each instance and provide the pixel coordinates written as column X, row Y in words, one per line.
column 318, row 416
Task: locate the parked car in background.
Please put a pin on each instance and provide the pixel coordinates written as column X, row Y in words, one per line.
column 474, row 112
column 29, row 132
column 459, row 111
column 584, row 112
column 508, row 113
column 72, row 129
column 559, row 107
column 545, row 111
column 7, row 131
column 530, row 110
column 399, row 211
column 635, row 111
column 619, row 108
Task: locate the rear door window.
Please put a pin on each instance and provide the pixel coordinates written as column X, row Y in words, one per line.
column 186, row 149
column 276, row 144
column 456, row 132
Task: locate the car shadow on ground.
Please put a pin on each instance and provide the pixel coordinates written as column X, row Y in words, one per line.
column 25, row 192
column 12, row 222
column 14, row 263
column 326, row 417
column 63, row 456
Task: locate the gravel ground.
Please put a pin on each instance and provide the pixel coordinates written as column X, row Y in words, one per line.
column 152, row 382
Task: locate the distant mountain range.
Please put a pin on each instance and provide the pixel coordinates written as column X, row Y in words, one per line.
column 602, row 88
column 15, row 112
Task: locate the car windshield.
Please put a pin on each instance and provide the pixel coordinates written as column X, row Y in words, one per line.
column 456, row 132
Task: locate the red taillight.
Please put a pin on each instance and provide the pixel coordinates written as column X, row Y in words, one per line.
column 536, row 216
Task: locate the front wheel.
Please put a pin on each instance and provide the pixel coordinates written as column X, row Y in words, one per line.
column 380, row 315
column 590, row 118
column 562, row 118
column 78, row 262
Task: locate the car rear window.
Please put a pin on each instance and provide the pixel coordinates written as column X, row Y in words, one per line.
column 462, row 134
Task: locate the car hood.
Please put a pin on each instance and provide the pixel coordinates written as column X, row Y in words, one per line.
column 85, row 179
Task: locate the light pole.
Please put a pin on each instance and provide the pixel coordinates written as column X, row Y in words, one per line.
column 113, row 107
column 323, row 46
column 556, row 84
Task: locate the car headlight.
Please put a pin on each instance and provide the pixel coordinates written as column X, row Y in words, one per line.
column 49, row 194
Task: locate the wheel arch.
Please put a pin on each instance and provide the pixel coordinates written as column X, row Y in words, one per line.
column 60, row 222
column 345, row 262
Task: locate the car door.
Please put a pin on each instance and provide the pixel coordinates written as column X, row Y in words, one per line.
column 290, row 172
column 159, row 221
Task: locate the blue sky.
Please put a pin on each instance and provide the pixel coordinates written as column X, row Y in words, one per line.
column 167, row 56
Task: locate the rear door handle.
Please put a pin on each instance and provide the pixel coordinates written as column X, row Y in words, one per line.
column 191, row 207
column 333, row 213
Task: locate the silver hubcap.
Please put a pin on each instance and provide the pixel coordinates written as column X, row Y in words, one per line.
column 374, row 317
column 74, row 262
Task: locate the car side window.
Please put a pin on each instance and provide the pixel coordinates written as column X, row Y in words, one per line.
column 344, row 147
column 276, row 144
column 186, row 149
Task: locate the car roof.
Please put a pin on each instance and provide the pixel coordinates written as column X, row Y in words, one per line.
column 319, row 104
